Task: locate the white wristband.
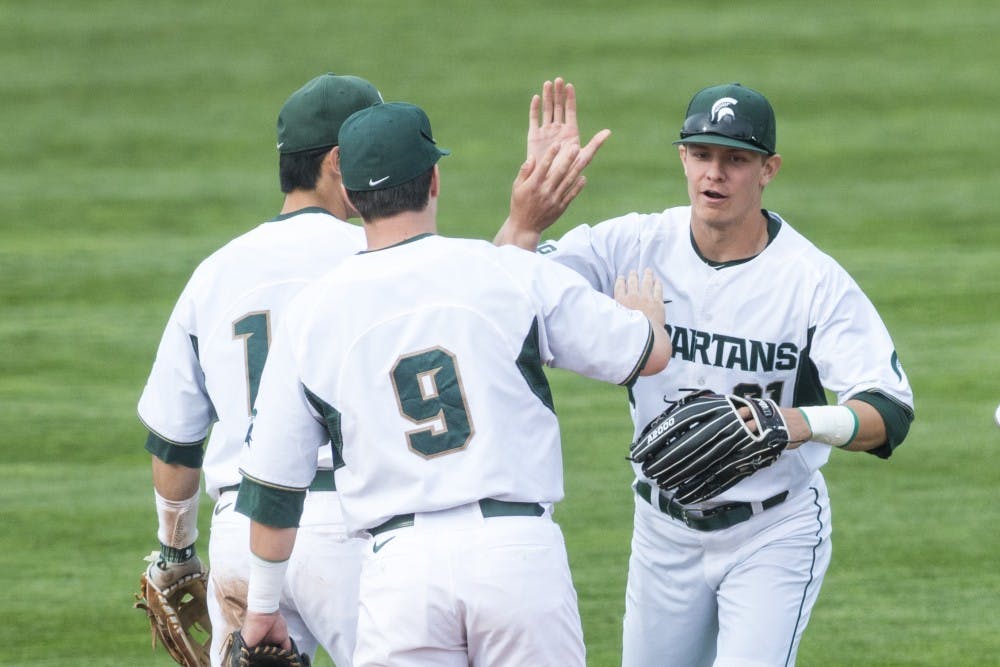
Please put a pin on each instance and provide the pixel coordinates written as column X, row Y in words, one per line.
column 835, row 425
column 178, row 520
column 267, row 578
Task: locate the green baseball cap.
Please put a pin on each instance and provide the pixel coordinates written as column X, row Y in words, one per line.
column 386, row 145
column 312, row 116
column 730, row 115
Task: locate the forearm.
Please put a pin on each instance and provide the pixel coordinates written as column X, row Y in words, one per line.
column 174, row 481
column 660, row 353
column 177, row 494
column 270, row 543
column 270, row 549
column 854, row 426
column 871, row 428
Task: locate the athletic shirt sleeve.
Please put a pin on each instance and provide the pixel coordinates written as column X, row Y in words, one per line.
column 175, row 405
column 851, row 347
column 285, row 420
column 617, row 341
column 592, row 251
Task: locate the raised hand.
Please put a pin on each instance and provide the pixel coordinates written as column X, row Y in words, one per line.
column 552, row 119
column 552, row 175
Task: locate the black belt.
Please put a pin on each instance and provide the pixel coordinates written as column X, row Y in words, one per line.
column 323, row 481
column 489, row 507
column 715, row 518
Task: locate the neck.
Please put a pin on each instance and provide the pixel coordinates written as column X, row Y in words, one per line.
column 385, row 232
column 296, row 200
column 733, row 241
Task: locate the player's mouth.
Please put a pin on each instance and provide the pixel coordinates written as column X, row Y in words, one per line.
column 713, row 194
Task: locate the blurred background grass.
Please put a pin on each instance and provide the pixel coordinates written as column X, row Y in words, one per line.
column 137, row 138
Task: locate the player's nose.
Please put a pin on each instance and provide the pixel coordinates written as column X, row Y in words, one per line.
column 714, row 170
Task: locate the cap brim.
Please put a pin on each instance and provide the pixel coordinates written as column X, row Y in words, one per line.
column 719, row 140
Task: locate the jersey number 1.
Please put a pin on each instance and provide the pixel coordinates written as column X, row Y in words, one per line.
column 255, row 330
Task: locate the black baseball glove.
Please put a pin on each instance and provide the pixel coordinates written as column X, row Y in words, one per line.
column 701, row 445
column 235, row 653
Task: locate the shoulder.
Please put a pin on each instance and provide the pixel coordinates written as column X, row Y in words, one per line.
column 631, row 228
column 310, row 224
column 323, row 222
column 518, row 266
column 306, row 240
column 671, row 220
column 792, row 259
column 791, row 246
column 294, row 248
column 526, row 271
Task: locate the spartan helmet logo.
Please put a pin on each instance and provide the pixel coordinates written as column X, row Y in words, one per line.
column 723, row 109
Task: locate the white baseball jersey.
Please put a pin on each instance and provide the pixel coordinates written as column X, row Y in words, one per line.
column 423, row 361
column 783, row 325
column 212, row 353
column 208, row 368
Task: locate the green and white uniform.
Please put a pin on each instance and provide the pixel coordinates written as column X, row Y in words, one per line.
column 784, row 324
column 423, row 363
column 204, row 381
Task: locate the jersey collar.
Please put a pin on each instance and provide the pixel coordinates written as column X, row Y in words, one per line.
column 773, row 227
column 403, row 242
column 307, row 209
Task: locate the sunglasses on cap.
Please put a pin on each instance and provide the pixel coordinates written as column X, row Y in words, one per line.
column 728, row 126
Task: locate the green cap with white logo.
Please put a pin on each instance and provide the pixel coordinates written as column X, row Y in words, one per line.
column 386, row 145
column 312, row 116
column 730, row 115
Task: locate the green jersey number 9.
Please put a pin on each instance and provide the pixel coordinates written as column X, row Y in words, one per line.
column 429, row 394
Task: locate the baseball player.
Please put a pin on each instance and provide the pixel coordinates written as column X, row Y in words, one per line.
column 208, row 369
column 422, row 361
column 754, row 309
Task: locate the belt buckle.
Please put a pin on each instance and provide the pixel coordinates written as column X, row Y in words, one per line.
column 685, row 515
column 676, row 510
column 695, row 515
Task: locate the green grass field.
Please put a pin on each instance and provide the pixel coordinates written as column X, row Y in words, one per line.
column 138, row 137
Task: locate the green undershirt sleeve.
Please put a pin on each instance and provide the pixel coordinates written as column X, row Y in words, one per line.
column 270, row 505
column 190, row 454
column 897, row 420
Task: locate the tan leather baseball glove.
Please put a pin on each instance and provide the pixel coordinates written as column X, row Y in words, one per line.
column 174, row 597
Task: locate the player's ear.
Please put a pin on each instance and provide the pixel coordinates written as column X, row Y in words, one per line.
column 771, row 166
column 682, row 153
column 334, row 157
column 435, row 182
